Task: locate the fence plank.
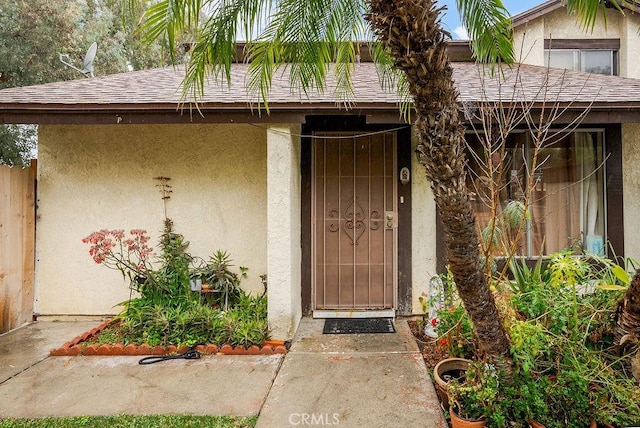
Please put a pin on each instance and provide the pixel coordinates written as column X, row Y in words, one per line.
column 17, row 245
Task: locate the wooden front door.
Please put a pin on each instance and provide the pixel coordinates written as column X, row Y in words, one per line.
column 354, row 222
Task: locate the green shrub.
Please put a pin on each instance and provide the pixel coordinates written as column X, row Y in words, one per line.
column 560, row 319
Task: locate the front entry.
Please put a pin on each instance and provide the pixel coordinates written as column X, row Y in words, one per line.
column 354, row 224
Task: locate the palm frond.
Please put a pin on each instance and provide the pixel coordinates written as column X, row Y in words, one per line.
column 588, row 11
column 308, row 37
column 489, row 26
column 167, row 20
column 391, row 79
column 214, row 48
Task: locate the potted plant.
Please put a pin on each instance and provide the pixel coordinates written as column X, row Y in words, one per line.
column 475, row 397
column 446, row 371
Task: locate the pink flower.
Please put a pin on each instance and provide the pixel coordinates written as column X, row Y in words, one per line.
column 107, row 247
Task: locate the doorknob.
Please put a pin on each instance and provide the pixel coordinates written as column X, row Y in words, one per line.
column 389, row 218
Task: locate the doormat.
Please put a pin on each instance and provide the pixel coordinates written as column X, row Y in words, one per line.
column 358, row 325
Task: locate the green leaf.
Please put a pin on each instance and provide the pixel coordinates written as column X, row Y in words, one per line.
column 611, row 287
column 489, row 26
column 587, row 11
column 621, row 274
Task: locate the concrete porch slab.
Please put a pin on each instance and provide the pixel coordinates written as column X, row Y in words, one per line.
column 309, row 338
column 367, row 380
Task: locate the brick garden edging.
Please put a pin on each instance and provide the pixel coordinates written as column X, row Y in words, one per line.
column 76, row 347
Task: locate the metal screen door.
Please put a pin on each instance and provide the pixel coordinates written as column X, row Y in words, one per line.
column 354, row 228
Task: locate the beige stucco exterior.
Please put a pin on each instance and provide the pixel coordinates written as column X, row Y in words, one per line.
column 423, row 228
column 284, row 226
column 235, row 187
column 529, row 37
column 631, row 188
column 95, row 177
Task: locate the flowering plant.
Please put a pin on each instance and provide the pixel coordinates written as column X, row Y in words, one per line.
column 128, row 255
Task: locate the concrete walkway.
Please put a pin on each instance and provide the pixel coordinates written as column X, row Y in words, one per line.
column 351, row 380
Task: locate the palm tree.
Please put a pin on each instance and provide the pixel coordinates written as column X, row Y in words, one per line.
column 317, row 37
column 410, row 31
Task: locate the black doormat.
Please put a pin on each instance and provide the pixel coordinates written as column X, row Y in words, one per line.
column 358, row 325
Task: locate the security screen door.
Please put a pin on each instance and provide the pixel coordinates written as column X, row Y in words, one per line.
column 354, row 221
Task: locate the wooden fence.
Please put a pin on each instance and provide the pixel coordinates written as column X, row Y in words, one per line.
column 17, row 245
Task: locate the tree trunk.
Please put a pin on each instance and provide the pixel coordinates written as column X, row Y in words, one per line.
column 411, row 30
column 627, row 331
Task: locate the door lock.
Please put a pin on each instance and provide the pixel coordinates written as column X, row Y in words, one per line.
column 389, row 219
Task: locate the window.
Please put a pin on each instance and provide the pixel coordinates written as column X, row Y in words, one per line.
column 594, row 61
column 567, row 202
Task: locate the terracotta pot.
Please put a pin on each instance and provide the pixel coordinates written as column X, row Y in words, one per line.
column 445, row 370
column 458, row 422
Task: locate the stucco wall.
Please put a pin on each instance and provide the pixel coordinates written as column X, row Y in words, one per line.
column 95, row 177
column 528, row 43
column 284, row 225
column 423, row 231
column 529, row 37
column 631, row 188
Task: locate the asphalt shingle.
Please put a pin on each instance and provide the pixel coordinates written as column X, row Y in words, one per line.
column 161, row 88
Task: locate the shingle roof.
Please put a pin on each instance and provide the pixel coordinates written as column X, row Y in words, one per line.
column 162, row 86
column 159, row 90
column 551, row 5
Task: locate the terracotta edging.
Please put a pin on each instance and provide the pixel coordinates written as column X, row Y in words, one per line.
column 75, row 347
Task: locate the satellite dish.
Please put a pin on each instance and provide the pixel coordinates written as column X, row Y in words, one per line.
column 87, row 64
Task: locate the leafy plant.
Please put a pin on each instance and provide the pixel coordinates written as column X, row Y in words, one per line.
column 524, row 277
column 566, row 372
column 226, row 283
column 475, row 397
column 453, row 325
column 166, row 310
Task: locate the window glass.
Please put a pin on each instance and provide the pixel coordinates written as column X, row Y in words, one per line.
column 566, row 203
column 596, row 62
column 590, row 61
column 565, row 59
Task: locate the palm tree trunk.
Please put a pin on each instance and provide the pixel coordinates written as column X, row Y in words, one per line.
column 626, row 335
column 411, row 30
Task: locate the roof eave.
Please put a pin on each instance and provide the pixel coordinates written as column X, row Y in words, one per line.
column 64, row 114
column 61, row 114
column 536, row 12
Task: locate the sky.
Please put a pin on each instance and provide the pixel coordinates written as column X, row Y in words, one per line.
column 451, row 21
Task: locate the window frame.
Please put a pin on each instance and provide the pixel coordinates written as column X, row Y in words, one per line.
column 604, row 161
column 581, row 45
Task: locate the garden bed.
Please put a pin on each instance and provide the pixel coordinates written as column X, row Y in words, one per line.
column 433, row 350
column 82, row 345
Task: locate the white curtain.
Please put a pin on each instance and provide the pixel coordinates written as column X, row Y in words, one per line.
column 592, row 193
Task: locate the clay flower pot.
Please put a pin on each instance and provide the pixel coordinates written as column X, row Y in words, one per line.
column 458, row 422
column 446, row 370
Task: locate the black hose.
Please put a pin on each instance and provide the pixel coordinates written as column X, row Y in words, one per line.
column 189, row 354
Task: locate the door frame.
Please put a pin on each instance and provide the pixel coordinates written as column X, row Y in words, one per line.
column 353, row 123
